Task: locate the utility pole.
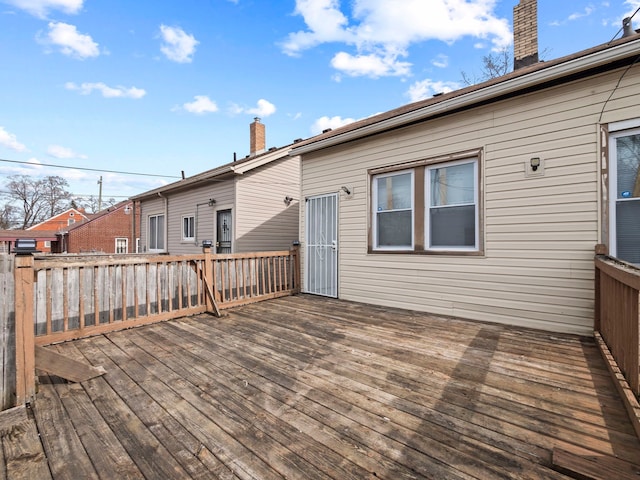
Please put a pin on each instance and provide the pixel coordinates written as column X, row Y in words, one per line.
column 99, row 195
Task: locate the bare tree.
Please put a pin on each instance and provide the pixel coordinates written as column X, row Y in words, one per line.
column 493, row 65
column 8, row 216
column 38, row 199
column 90, row 203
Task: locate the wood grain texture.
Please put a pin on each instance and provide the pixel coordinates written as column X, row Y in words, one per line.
column 306, row 387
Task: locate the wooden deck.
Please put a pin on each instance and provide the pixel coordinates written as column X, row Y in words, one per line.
column 312, row 388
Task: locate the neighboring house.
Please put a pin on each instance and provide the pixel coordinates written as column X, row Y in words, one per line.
column 58, row 223
column 113, row 230
column 484, row 203
column 8, row 238
column 247, row 205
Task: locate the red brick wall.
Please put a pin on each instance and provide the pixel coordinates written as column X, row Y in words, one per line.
column 99, row 235
column 58, row 223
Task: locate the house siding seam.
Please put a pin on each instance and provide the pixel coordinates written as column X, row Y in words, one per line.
column 539, row 231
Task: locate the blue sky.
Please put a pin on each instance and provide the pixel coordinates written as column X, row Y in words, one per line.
column 160, row 87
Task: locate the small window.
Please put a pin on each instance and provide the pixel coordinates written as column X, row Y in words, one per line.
column 188, row 228
column 47, row 244
column 452, row 206
column 70, row 221
column 393, row 216
column 122, row 245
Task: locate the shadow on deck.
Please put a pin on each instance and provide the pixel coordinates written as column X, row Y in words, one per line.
column 313, row 388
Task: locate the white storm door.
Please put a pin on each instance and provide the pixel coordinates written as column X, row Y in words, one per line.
column 321, row 255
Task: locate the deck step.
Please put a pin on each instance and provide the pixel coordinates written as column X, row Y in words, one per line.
column 594, row 467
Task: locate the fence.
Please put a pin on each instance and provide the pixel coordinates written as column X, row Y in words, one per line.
column 7, row 332
column 64, row 298
column 617, row 315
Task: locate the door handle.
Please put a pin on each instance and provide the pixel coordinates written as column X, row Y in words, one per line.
column 334, row 244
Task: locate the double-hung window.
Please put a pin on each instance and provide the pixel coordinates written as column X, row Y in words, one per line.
column 625, row 195
column 188, row 228
column 156, row 233
column 428, row 206
column 452, row 206
column 393, row 218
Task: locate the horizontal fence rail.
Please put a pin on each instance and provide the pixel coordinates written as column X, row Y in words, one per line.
column 617, row 315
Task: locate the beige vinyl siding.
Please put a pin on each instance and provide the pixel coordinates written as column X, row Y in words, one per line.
column 539, row 231
column 263, row 220
column 184, row 203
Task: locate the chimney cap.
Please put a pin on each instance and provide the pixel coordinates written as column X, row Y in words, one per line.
column 256, row 119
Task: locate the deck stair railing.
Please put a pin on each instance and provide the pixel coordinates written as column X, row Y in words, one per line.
column 64, row 298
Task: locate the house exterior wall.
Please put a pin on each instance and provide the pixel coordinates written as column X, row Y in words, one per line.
column 190, row 202
column 539, row 232
column 58, row 223
column 99, row 234
column 263, row 220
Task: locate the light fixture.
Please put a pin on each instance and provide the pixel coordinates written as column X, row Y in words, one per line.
column 535, row 163
column 288, row 200
column 212, row 202
column 127, row 210
column 346, row 190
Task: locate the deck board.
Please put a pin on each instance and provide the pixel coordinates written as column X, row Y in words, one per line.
column 314, row 388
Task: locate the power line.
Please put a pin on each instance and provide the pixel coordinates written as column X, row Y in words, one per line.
column 89, row 169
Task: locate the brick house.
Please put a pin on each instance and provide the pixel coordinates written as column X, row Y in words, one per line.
column 58, row 223
column 113, row 230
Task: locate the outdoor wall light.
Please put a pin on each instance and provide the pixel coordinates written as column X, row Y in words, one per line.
column 127, row 210
column 288, row 200
column 212, row 202
column 346, row 190
column 535, row 163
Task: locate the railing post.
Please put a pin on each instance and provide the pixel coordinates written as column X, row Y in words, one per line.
column 295, row 257
column 24, row 275
column 208, row 274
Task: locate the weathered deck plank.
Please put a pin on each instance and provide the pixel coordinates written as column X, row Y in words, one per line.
column 313, row 388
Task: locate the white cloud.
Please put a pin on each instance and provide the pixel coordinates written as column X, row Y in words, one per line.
column 107, row 92
column 40, row 8
column 58, row 151
column 371, row 65
column 382, row 32
column 9, row 140
column 323, row 123
column 178, row 46
column 441, row 61
column 428, row 88
column 201, row 105
column 263, row 109
column 70, row 42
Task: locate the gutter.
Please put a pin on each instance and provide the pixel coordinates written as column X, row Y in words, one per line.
column 604, row 57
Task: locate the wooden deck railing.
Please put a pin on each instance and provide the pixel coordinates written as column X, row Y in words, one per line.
column 617, row 316
column 59, row 299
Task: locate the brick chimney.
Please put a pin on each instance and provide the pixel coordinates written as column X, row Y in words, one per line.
column 258, row 137
column 525, row 34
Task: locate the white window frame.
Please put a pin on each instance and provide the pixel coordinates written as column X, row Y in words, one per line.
column 192, row 221
column 428, row 206
column 126, row 244
column 374, row 212
column 617, row 130
column 162, row 233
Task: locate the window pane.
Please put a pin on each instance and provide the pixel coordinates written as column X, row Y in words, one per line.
column 394, row 192
column 152, row 232
column 395, row 229
column 453, row 226
column 453, row 185
column 628, row 231
column 160, row 234
column 628, row 163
